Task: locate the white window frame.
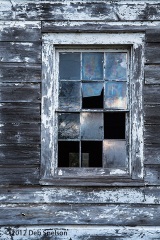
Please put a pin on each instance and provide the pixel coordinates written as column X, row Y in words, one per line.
column 50, row 174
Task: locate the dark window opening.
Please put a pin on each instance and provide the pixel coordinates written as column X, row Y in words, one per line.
column 93, row 101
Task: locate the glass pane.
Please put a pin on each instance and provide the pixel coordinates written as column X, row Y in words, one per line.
column 91, row 153
column 69, row 95
column 68, row 125
column 68, row 154
column 114, row 125
column 92, row 126
column 114, row 153
column 69, row 66
column 115, row 95
column 92, row 95
column 92, row 66
column 116, row 66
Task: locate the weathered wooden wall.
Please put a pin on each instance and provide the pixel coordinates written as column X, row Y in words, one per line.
column 23, row 201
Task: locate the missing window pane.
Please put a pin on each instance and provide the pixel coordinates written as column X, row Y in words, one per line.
column 68, row 154
column 91, row 155
column 69, row 66
column 114, row 125
column 92, row 95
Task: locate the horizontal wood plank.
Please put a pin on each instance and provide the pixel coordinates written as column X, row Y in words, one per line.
column 152, row 74
column 79, row 10
column 126, row 215
column 152, row 154
column 20, row 31
column 152, row 53
column 152, row 175
column 152, row 94
column 20, row 133
column 48, row 195
column 19, row 175
column 18, row 154
column 20, row 52
column 19, row 112
column 152, row 134
column 153, row 35
column 17, row 92
column 20, row 72
column 152, row 114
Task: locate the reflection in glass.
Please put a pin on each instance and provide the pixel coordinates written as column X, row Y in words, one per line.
column 92, row 126
column 115, row 95
column 69, row 95
column 68, row 125
column 92, row 66
column 69, row 66
column 91, row 153
column 92, row 95
column 116, row 66
column 114, row 153
column 68, row 154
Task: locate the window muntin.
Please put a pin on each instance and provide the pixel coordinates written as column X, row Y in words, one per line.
column 92, row 108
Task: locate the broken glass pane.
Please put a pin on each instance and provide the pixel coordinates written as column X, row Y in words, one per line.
column 114, row 153
column 116, row 66
column 68, row 154
column 114, row 125
column 92, row 66
column 69, row 66
column 69, row 95
column 91, row 153
column 115, row 95
column 68, row 125
column 92, row 95
column 92, row 126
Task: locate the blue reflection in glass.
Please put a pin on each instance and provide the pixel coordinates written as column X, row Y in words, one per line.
column 92, row 66
column 116, row 66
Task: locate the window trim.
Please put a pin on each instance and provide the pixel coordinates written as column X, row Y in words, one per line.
column 50, row 41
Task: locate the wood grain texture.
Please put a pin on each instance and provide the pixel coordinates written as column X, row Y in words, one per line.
column 18, row 154
column 19, row 113
column 152, row 53
column 19, row 175
column 20, row 31
column 152, row 175
column 152, row 114
column 20, row 52
column 152, row 134
column 152, row 94
column 79, row 10
column 87, row 214
column 17, row 92
column 152, row 74
column 152, row 154
column 20, row 72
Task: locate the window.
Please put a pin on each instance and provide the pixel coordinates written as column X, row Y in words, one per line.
column 92, row 121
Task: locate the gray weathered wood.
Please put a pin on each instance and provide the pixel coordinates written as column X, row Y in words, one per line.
column 20, row 31
column 20, row 52
column 20, row 72
column 18, row 154
column 152, row 94
column 19, row 133
column 79, row 10
column 153, row 35
column 19, row 175
column 152, row 114
column 17, row 92
column 19, row 112
column 152, row 154
column 152, row 53
column 152, row 175
column 88, row 214
column 152, row 134
column 48, row 195
column 152, row 74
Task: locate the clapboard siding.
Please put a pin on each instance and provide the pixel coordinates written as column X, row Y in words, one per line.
column 18, row 154
column 29, row 52
column 88, row 214
column 152, row 53
column 152, row 174
column 152, row 134
column 98, row 195
column 19, row 113
column 152, row 114
column 20, row 31
column 19, row 175
column 17, row 92
column 20, row 72
column 152, row 154
column 152, row 94
column 152, row 74
column 79, row 10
